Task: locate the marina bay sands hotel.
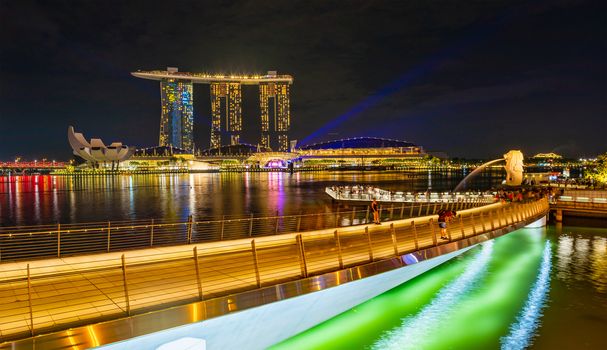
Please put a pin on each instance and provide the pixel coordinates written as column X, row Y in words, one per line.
column 177, row 115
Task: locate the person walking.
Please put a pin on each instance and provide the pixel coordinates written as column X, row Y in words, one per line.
column 375, row 209
column 445, row 216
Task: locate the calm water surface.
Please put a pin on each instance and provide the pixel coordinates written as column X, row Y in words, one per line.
column 538, row 288
column 28, row 200
column 533, row 288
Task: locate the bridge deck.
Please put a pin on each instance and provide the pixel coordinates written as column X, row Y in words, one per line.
column 55, row 294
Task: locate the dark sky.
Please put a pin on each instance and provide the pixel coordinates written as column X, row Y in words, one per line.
column 471, row 78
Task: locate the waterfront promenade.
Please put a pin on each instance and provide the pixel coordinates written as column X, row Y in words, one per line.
column 49, row 295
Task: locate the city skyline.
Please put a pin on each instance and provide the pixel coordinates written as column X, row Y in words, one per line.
column 176, row 120
column 472, row 83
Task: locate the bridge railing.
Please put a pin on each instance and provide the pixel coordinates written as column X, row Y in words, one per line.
column 345, row 194
column 43, row 241
column 581, row 203
column 44, row 296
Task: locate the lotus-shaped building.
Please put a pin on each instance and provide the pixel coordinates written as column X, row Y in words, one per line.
column 96, row 151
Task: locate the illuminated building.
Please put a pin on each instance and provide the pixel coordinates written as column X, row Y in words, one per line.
column 226, row 107
column 177, row 115
column 226, row 102
column 550, row 155
column 275, row 110
column 361, row 151
column 96, row 152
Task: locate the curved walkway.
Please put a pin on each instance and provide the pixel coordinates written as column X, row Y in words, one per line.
column 49, row 295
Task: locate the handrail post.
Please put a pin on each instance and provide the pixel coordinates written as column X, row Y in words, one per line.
column 190, row 220
column 29, row 299
column 302, row 256
column 427, row 208
column 152, row 234
column 298, row 222
column 126, row 289
column 58, row 240
column 421, row 205
column 353, row 215
column 411, row 210
column 109, row 229
column 432, row 229
column 255, row 263
column 223, row 220
column 338, row 244
column 337, row 217
column 491, row 220
column 391, row 211
column 251, row 225
column 393, row 232
column 483, row 222
column 199, row 282
column 415, row 235
column 473, row 224
column 369, row 242
column 461, row 226
column 434, row 209
column 367, row 215
column 402, row 210
column 499, row 217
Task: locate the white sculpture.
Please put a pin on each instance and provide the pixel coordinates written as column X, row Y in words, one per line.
column 514, row 167
column 96, row 151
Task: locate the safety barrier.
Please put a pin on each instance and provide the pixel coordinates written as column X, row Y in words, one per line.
column 32, row 242
column 47, row 295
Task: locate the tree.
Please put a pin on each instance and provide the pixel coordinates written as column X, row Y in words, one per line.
column 598, row 174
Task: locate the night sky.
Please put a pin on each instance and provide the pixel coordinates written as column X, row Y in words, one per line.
column 470, row 78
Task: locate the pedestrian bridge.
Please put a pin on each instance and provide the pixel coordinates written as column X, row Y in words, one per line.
column 94, row 300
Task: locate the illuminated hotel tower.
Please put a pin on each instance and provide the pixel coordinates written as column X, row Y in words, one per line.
column 226, row 104
column 275, row 111
column 176, row 121
column 177, row 115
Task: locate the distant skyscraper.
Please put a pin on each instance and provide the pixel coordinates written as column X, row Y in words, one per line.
column 176, row 122
column 226, row 101
column 275, row 110
column 177, row 115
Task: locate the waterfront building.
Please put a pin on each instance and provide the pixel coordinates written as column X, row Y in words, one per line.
column 549, row 155
column 275, row 108
column 177, row 113
column 95, row 152
column 226, row 104
column 362, row 151
column 166, row 159
column 226, row 107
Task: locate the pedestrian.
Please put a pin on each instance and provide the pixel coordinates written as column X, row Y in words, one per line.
column 445, row 216
column 375, row 209
column 442, row 223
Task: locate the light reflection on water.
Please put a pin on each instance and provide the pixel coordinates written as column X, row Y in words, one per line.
column 581, row 258
column 545, row 289
column 28, row 200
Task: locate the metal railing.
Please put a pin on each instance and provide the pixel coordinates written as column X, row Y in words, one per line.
column 580, row 203
column 31, row 242
column 44, row 296
column 344, row 194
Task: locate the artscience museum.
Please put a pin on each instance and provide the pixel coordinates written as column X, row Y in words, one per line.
column 96, row 152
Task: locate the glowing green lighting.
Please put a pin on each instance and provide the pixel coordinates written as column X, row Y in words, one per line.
column 475, row 318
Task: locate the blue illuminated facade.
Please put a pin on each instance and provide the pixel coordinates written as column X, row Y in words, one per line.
column 177, row 115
